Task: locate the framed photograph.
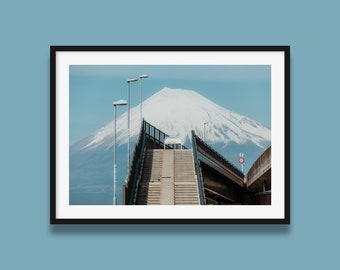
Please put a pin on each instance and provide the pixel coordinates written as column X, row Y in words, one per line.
column 170, row 134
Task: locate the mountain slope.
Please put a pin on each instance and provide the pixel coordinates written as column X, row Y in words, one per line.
column 177, row 112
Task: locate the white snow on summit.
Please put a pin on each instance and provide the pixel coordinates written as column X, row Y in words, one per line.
column 177, row 112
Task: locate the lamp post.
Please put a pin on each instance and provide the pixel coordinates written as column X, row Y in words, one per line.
column 204, row 135
column 115, row 104
column 145, row 76
column 128, row 103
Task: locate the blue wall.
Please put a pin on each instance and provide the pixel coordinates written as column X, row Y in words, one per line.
column 29, row 28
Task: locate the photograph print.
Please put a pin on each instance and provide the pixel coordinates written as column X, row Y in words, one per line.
column 170, row 135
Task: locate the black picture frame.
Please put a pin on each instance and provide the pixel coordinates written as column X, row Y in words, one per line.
column 61, row 57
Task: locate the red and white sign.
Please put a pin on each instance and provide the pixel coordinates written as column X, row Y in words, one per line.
column 241, row 160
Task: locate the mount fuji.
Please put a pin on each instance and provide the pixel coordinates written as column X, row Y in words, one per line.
column 175, row 112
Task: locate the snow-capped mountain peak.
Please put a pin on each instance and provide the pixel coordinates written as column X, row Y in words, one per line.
column 177, row 112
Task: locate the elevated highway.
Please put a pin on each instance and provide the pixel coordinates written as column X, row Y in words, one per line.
column 222, row 182
column 170, row 174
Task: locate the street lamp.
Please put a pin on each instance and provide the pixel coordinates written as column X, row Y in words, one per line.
column 204, row 135
column 145, row 76
column 128, row 103
column 115, row 104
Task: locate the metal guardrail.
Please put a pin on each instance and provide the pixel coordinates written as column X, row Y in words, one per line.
column 154, row 133
column 136, row 167
column 206, row 149
column 198, row 169
column 158, row 136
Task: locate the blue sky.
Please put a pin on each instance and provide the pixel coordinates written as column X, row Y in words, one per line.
column 242, row 89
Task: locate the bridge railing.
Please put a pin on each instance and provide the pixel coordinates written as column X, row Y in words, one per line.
column 137, row 159
column 198, row 169
column 207, row 150
column 156, row 135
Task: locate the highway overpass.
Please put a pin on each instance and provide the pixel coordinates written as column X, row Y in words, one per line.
column 164, row 173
